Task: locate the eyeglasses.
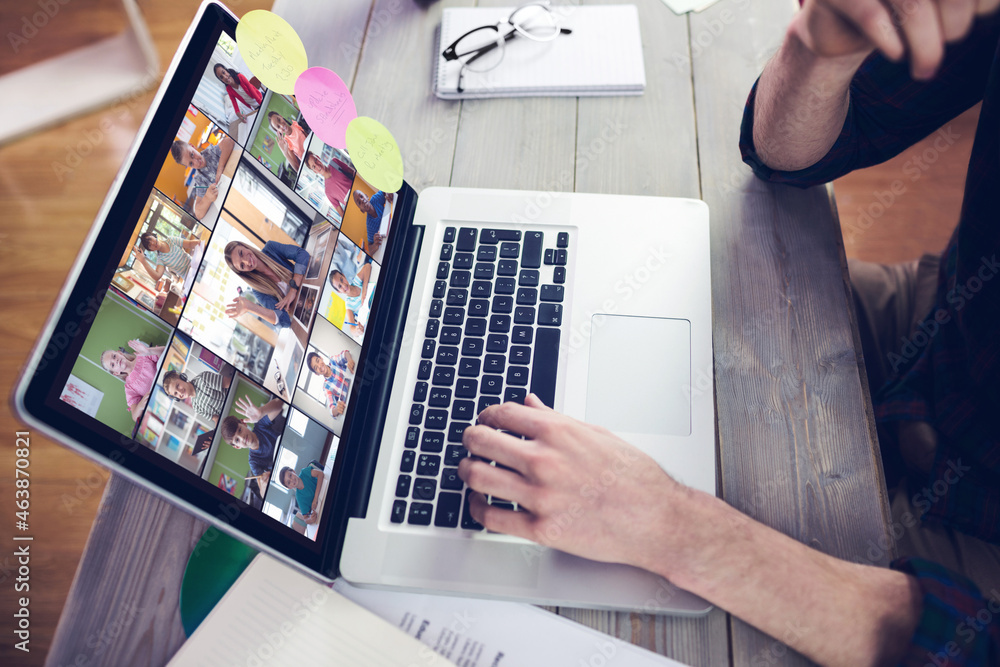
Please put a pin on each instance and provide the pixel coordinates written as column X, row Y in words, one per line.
column 481, row 49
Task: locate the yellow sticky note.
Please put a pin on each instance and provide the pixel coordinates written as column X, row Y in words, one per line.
column 375, row 154
column 271, row 49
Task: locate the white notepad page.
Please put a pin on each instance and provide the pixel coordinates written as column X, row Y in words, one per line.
column 603, row 55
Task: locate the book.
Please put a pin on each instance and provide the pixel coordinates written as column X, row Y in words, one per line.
column 601, row 56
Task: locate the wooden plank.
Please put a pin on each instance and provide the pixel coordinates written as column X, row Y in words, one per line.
column 796, row 436
column 123, row 608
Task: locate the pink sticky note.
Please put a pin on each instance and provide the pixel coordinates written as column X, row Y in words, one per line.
column 326, row 104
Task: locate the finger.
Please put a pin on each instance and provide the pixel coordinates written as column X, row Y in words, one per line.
column 986, row 6
column 494, row 481
column 491, row 444
column 532, row 401
column 874, row 21
column 921, row 26
column 956, row 18
column 499, row 519
column 527, row 421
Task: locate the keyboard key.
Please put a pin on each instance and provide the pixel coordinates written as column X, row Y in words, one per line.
column 524, row 315
column 412, row 436
column 444, row 268
column 436, row 419
column 484, row 271
column 446, row 250
column 496, row 343
column 505, row 286
column 468, row 523
column 454, row 315
column 562, row 240
column 479, row 308
column 440, row 397
column 431, row 331
column 527, row 296
column 439, row 289
column 475, row 326
column 510, row 250
column 428, row 464
column 449, row 508
column 398, row 511
column 521, row 335
column 420, row 392
column 561, row 257
column 531, row 256
column 447, row 355
column 481, row 289
column 437, row 307
column 444, row 376
column 519, row 354
column 515, row 394
column 550, row 314
column 469, row 367
column 507, row 267
column 466, row 239
column 559, row 274
column 433, row 441
column 457, row 297
column 428, row 351
column 472, row 347
column 487, row 401
column 420, row 514
column 499, row 324
column 466, row 388
column 455, row 431
column 550, row 257
column 424, row 370
column 543, row 372
column 517, row 376
column 451, row 481
column 454, row 453
column 416, row 413
column 502, row 504
column 463, row 411
column 451, row 335
column 494, row 363
column 406, row 464
column 449, row 234
column 486, row 254
column 492, row 385
column 503, row 304
column 460, row 279
column 551, row 293
column 494, row 236
column 463, row 260
column 403, row 486
column 528, row 278
column 424, row 489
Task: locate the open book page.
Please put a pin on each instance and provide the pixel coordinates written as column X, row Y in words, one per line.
column 274, row 615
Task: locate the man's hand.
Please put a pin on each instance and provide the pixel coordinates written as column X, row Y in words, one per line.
column 251, row 412
column 338, row 408
column 917, row 29
column 350, row 363
column 211, row 194
column 585, row 490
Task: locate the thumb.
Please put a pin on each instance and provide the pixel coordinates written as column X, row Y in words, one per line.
column 533, row 401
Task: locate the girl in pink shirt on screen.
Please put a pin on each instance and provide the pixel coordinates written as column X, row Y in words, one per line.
column 137, row 369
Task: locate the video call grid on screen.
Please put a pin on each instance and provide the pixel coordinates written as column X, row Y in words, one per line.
column 197, row 352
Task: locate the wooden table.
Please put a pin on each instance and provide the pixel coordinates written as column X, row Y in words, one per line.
column 796, row 438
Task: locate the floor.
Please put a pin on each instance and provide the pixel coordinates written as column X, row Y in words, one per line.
column 889, row 213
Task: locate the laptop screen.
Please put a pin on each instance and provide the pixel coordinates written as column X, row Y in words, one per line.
column 223, row 338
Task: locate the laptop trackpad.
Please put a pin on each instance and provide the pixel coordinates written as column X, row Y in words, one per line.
column 639, row 378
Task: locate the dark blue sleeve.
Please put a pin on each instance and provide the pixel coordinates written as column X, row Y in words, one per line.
column 269, row 302
column 287, row 252
column 889, row 111
column 378, row 203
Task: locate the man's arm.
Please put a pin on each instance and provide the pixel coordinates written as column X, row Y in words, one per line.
column 832, row 611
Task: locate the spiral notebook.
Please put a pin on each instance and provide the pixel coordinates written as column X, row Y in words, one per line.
column 602, row 55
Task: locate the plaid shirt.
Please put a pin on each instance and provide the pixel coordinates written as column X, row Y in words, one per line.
column 337, row 386
column 947, row 371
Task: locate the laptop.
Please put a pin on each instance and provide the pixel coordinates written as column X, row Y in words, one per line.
column 259, row 335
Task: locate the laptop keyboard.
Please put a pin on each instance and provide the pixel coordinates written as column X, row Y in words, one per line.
column 492, row 335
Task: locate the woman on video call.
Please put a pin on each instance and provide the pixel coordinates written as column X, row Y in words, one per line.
column 240, row 91
column 274, row 274
column 137, row 369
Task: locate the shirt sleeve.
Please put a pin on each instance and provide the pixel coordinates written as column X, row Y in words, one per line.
column 958, row 625
column 340, row 360
column 269, row 302
column 288, row 252
column 889, row 111
column 378, row 203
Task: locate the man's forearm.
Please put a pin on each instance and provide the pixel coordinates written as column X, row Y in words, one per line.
column 833, row 611
column 801, row 104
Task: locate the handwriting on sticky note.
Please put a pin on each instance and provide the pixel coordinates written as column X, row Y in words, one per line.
column 375, row 154
column 271, row 49
column 326, row 104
